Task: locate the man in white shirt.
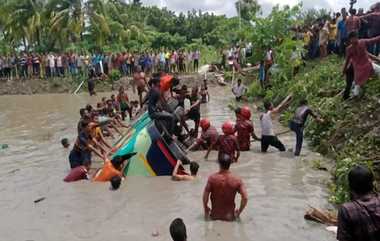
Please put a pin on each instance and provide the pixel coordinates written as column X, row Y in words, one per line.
column 51, row 61
column 239, row 90
column 268, row 138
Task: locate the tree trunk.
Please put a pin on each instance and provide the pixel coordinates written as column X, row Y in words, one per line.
column 24, row 42
column 38, row 32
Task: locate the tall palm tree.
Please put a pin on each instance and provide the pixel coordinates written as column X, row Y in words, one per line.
column 22, row 21
column 67, row 19
column 108, row 22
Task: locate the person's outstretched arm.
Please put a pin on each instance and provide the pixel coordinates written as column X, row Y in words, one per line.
column 175, row 175
column 95, row 151
column 317, row 118
column 209, row 150
column 254, row 136
column 371, row 41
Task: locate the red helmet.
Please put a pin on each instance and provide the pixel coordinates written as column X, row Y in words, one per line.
column 228, row 128
column 204, row 124
column 246, row 112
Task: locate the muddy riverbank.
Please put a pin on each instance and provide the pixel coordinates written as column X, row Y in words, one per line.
column 67, row 85
column 280, row 187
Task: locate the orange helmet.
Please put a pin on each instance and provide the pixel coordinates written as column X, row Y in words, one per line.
column 205, row 124
column 245, row 112
column 228, row 128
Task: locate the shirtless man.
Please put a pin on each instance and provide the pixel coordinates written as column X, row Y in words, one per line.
column 141, row 83
column 221, row 189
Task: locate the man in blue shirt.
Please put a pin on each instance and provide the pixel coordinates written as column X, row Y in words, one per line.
column 342, row 35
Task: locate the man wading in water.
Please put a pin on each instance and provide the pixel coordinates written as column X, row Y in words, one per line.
column 297, row 124
column 268, row 137
column 155, row 113
column 141, row 83
column 91, row 82
column 222, row 188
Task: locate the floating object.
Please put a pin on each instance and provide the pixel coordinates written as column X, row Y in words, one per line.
column 204, row 69
column 156, row 155
column 39, row 200
column 155, row 233
column 14, row 171
column 221, row 81
column 325, row 217
column 80, row 86
column 333, row 229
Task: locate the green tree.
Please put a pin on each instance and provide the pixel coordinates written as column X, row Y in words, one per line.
column 247, row 9
column 21, row 21
column 66, row 21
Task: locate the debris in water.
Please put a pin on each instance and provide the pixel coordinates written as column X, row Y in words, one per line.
column 39, row 200
column 155, row 233
column 322, row 169
column 320, row 216
column 4, row 146
column 13, row 171
column 333, row 229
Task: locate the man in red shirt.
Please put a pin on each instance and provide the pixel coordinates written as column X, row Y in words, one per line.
column 221, row 189
column 227, row 143
column 359, row 219
column 79, row 173
column 357, row 55
column 209, row 136
column 244, row 128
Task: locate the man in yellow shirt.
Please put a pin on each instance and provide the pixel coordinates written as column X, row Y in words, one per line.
column 332, row 36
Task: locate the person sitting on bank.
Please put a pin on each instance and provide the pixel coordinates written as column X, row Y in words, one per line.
column 209, row 137
column 268, row 137
column 79, row 173
column 227, row 143
column 185, row 177
column 178, row 230
column 297, row 124
column 112, row 168
column 239, row 90
column 221, row 189
column 359, row 219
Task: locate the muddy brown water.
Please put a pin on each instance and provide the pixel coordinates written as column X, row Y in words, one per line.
column 280, row 187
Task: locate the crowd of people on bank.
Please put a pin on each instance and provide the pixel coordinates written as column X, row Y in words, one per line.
column 353, row 34
column 35, row 65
